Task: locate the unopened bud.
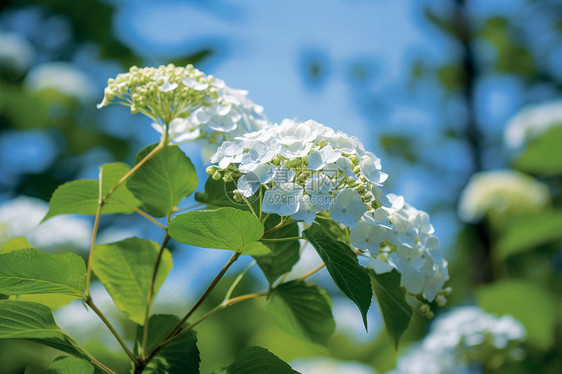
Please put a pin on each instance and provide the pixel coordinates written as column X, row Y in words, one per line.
column 216, row 176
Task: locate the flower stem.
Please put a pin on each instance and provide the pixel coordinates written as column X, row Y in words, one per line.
column 100, row 314
column 178, row 328
column 150, row 296
column 225, row 304
column 237, row 280
column 311, row 272
column 281, row 239
column 145, row 215
column 101, row 201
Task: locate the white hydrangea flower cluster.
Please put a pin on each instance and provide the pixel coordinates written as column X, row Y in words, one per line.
column 501, row 193
column 307, row 168
column 462, row 341
column 185, row 103
column 412, row 249
column 531, row 122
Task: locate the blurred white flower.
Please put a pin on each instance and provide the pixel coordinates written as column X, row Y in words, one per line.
column 22, row 217
column 62, row 77
column 531, row 122
column 461, row 341
column 16, row 52
column 501, row 193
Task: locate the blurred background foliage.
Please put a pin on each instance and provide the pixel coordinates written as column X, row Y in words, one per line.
column 56, row 55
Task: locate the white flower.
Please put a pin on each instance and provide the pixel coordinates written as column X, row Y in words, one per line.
column 249, row 183
column 371, row 169
column 307, row 210
column 305, row 154
column 461, row 338
column 204, row 104
column 367, row 236
column 62, row 77
column 501, row 193
column 283, row 199
column 348, row 207
column 319, row 159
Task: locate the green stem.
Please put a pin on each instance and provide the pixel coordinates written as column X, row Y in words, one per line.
column 150, row 295
column 237, row 280
column 179, row 326
column 91, row 358
column 101, row 201
column 100, row 314
column 145, row 215
column 225, row 304
column 311, row 272
column 281, row 239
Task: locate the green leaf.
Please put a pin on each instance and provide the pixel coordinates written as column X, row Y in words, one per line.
column 64, row 365
column 125, row 269
column 532, row 304
column 256, row 249
column 81, row 196
column 28, row 271
column 16, row 244
column 284, row 255
column 164, row 180
column 32, row 321
column 224, row 228
column 52, row 300
column 529, row 231
column 302, row 309
column 254, row 360
column 179, row 357
column 542, row 155
column 218, row 194
column 392, row 303
column 350, row 277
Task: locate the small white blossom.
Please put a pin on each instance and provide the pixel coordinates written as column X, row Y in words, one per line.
column 348, row 208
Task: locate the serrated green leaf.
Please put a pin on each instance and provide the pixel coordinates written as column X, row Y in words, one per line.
column 125, row 269
column 254, row 360
column 64, row 365
column 304, row 310
column 284, row 255
column 224, row 228
column 28, row 271
column 392, row 303
column 81, row 196
column 16, row 244
column 179, row 357
column 164, row 180
column 340, row 260
column 532, row 304
column 33, row 321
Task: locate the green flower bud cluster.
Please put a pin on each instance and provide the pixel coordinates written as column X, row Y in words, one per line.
column 162, row 93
